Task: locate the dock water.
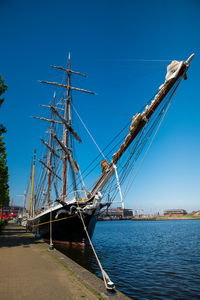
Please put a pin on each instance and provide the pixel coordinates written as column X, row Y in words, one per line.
column 29, row 270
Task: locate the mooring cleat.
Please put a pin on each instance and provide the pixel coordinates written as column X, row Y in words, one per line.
column 110, row 285
column 51, row 247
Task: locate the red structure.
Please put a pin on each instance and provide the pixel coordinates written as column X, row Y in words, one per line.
column 9, row 212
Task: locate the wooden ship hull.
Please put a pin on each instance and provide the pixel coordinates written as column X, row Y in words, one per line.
column 66, row 229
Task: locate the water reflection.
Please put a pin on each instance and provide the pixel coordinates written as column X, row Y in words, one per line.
column 82, row 255
column 146, row 260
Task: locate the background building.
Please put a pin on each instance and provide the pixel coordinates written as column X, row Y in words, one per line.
column 175, row 212
column 116, row 214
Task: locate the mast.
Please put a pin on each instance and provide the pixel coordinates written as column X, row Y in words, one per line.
column 67, row 115
column 29, row 189
column 174, row 71
column 69, row 133
column 50, row 153
column 33, row 176
column 24, row 202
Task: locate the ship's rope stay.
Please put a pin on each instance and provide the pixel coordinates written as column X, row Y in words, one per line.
column 133, row 159
column 158, row 127
column 88, row 132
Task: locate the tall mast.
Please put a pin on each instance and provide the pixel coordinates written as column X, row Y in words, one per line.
column 50, row 153
column 66, row 130
column 29, row 190
column 33, row 177
column 24, row 203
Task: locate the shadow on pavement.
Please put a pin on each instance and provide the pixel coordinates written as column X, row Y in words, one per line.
column 13, row 235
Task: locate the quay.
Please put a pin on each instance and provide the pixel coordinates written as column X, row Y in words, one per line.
column 29, row 270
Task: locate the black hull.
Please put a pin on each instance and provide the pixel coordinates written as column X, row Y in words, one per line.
column 65, row 229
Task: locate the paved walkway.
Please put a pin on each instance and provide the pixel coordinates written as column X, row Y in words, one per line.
column 29, row 270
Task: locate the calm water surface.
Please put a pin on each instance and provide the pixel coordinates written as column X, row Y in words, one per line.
column 147, row 260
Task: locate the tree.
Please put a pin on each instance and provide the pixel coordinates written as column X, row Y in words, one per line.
column 4, row 188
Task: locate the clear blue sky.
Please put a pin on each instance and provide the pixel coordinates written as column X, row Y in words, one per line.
column 105, row 39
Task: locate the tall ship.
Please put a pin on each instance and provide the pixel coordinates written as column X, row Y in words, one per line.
column 62, row 206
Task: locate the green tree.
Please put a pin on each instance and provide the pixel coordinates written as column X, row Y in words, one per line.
column 4, row 188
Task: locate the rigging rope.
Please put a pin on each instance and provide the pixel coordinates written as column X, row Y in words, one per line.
column 172, row 97
column 88, row 132
column 137, row 148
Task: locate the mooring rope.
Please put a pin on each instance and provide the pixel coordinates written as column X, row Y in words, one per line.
column 108, row 283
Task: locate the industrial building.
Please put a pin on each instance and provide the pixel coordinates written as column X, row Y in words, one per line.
column 116, row 214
